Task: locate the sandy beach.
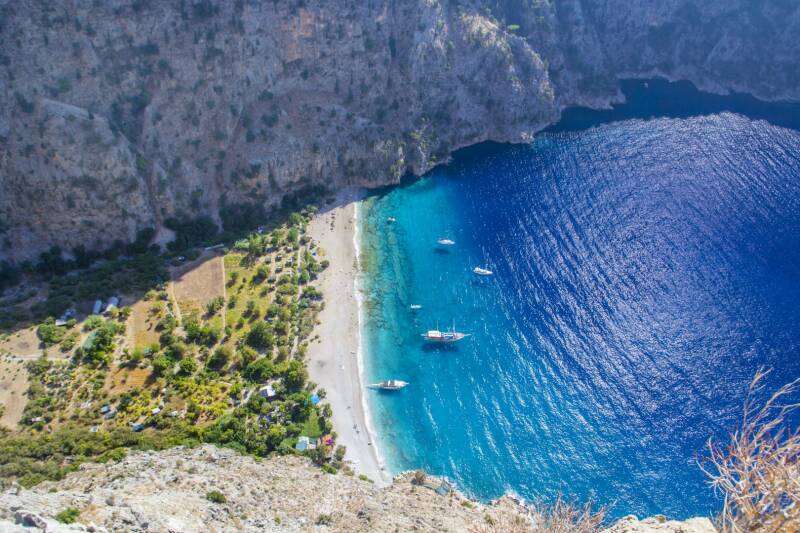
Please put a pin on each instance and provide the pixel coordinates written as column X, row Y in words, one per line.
column 334, row 359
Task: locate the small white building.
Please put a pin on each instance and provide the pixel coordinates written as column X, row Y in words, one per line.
column 268, row 392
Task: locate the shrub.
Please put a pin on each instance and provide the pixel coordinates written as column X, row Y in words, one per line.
column 93, row 322
column 199, row 334
column 187, row 366
column 247, row 355
column 68, row 516
column 216, row 496
column 220, row 357
column 757, row 471
column 215, row 305
column 26, row 105
column 161, row 365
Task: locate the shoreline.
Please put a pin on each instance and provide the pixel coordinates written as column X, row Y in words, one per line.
column 335, row 357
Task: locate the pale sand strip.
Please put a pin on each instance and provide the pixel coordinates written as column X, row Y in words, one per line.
column 334, row 361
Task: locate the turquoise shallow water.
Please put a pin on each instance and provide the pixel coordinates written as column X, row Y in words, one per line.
column 643, row 271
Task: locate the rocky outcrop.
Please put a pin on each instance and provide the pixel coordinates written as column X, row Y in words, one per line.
column 659, row 524
column 122, row 114
column 169, row 491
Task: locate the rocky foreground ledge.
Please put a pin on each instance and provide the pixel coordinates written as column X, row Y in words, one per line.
column 173, row 491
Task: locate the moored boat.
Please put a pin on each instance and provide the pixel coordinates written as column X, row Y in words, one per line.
column 434, row 335
column 482, row 271
column 415, row 307
column 446, row 242
column 389, row 384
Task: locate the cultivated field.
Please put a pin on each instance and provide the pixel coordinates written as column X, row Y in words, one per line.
column 142, row 324
column 197, row 283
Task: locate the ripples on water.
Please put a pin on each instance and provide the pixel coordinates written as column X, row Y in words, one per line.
column 643, row 271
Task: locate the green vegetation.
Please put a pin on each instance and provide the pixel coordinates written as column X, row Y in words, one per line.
column 49, row 333
column 68, row 515
column 50, row 456
column 198, row 376
column 216, row 496
column 139, row 274
column 191, row 232
column 98, row 348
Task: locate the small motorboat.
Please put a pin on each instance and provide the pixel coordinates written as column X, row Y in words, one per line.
column 391, row 220
column 446, row 242
column 415, row 307
column 482, row 271
column 391, row 384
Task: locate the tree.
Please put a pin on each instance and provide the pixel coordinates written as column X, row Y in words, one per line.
column 260, row 337
column 49, row 333
column 296, row 375
column 220, row 357
column 161, row 365
column 207, row 335
column 101, row 345
column 187, row 366
column 259, row 370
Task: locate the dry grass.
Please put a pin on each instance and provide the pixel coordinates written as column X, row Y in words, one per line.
column 143, row 322
column 559, row 517
column 121, row 379
column 758, row 472
column 197, row 283
column 13, row 384
column 23, row 343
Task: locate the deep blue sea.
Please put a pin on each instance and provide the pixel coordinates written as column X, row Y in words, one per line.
column 644, row 269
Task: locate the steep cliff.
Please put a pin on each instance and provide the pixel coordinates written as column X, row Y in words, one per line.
column 120, row 115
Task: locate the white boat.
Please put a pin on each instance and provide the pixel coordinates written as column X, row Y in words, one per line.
column 391, row 220
column 482, row 271
column 390, row 384
column 446, row 242
column 415, row 307
column 434, row 335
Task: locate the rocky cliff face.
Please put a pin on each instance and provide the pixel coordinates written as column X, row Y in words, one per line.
column 167, row 491
column 119, row 115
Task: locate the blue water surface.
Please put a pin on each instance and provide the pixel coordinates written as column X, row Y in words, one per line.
column 644, row 270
